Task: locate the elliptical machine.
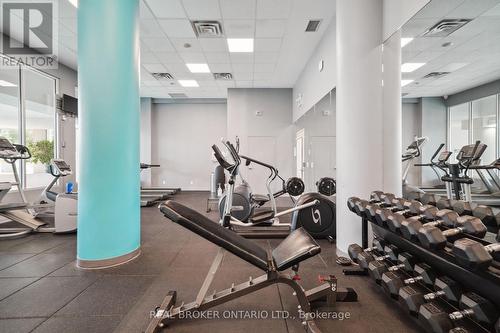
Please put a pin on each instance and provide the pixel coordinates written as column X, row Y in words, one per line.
column 413, row 151
column 266, row 224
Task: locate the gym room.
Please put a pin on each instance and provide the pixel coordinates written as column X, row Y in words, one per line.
column 250, row 166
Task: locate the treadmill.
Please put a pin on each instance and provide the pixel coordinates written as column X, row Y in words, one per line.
column 442, row 160
column 153, row 195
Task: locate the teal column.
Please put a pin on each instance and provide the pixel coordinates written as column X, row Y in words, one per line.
column 109, row 111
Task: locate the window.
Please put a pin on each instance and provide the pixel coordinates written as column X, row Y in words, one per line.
column 9, row 114
column 459, row 127
column 30, row 119
column 39, row 108
column 484, row 125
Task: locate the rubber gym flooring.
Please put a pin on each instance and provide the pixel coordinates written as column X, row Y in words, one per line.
column 41, row 290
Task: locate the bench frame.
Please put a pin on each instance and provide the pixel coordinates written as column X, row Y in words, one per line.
column 325, row 295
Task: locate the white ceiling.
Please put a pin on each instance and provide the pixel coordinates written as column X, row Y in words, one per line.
column 281, row 48
column 473, row 58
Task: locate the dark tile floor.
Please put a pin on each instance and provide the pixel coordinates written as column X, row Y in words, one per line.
column 42, row 290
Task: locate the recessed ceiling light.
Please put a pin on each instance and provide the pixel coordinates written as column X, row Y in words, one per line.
column 411, row 66
column 405, row 82
column 74, row 3
column 198, row 68
column 240, row 44
column 188, row 83
column 405, row 41
column 4, row 83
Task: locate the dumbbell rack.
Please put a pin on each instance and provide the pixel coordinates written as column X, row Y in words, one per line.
column 485, row 283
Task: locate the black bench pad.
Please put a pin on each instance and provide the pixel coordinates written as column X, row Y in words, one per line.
column 297, row 247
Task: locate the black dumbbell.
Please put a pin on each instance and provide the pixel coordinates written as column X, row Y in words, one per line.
column 459, row 330
column 380, row 214
column 354, row 249
column 376, row 268
column 445, row 217
column 364, row 260
column 474, row 255
column 471, row 305
column 429, row 199
column 463, row 207
column 477, row 307
column 486, row 214
column 444, row 203
column 416, row 210
column 434, row 238
column 413, row 296
column 393, row 281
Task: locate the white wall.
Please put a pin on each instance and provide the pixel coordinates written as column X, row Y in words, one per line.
column 313, row 84
column 145, row 144
column 412, row 126
column 275, row 106
column 181, row 140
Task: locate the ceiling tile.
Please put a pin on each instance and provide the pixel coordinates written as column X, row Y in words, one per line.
column 217, row 57
column 244, row 84
column 275, row 9
column 149, row 57
column 472, row 8
column 220, row 68
column 144, row 11
column 180, row 44
column 177, row 28
column 247, row 76
column 270, row 28
column 150, row 28
column 179, row 69
column 266, row 57
column 193, row 57
column 267, row 44
column 207, row 83
column 225, row 84
column 262, row 68
column 495, row 11
column 202, row 10
column 155, row 68
column 242, row 68
column 240, row 58
column 239, row 28
column 262, row 76
column 213, row 44
column 237, row 9
column 158, row 44
column 169, row 58
column 166, row 8
column 438, row 9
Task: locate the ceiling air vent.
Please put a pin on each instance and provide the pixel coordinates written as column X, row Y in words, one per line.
column 445, row 27
column 207, row 29
column 312, row 25
column 223, row 76
column 435, row 75
column 162, row 76
column 177, row 95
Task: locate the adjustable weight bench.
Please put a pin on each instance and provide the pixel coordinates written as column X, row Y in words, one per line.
column 297, row 247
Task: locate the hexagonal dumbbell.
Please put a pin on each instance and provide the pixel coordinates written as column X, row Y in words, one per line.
column 433, row 238
column 437, row 319
column 413, row 296
column 354, row 250
column 393, row 281
column 429, row 199
column 444, row 203
column 489, row 218
column 474, row 255
column 463, row 207
column 477, row 307
column 445, row 217
column 376, row 268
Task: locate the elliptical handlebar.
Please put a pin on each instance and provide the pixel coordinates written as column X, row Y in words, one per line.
column 436, row 152
column 468, row 160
